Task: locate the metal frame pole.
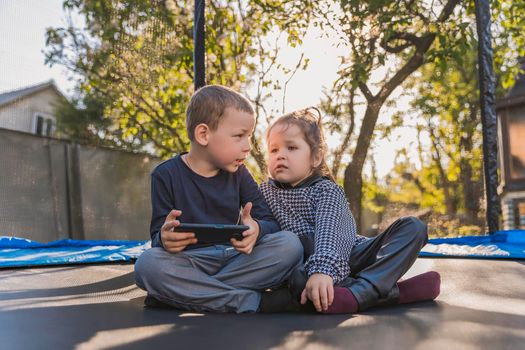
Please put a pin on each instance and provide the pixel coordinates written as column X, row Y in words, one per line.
column 488, row 112
column 199, row 68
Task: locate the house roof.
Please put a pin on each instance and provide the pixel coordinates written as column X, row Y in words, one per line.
column 11, row 96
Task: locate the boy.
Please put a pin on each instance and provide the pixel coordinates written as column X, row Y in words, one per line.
column 209, row 185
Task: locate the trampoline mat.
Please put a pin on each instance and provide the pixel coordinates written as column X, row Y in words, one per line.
column 99, row 307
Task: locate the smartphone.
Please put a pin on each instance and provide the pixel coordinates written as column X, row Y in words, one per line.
column 213, row 233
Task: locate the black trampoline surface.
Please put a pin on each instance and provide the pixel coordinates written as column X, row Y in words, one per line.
column 481, row 306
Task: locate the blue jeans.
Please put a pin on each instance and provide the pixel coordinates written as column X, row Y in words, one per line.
column 218, row 278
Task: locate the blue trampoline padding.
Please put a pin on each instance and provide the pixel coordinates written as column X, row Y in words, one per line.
column 21, row 252
column 500, row 245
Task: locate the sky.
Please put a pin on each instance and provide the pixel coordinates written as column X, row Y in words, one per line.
column 23, row 25
column 22, row 28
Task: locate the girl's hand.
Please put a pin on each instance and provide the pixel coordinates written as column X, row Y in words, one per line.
column 320, row 290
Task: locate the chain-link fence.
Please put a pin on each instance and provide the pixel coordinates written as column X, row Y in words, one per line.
column 53, row 189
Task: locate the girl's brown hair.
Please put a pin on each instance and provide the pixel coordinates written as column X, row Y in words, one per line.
column 312, row 128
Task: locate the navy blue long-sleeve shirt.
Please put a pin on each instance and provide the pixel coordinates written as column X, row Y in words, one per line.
column 205, row 200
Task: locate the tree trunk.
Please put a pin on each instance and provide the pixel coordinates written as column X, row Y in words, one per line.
column 353, row 181
column 471, row 193
column 353, row 173
column 353, row 185
column 450, row 200
column 470, row 202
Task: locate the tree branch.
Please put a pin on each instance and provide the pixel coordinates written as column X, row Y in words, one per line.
column 366, row 92
column 423, row 44
column 338, row 154
column 290, row 78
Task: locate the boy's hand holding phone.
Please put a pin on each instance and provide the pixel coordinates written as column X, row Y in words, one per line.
column 175, row 242
column 250, row 236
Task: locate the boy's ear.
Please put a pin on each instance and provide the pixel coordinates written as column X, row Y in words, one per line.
column 202, row 133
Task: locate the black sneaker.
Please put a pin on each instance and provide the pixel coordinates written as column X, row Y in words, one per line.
column 278, row 301
column 153, row 302
column 297, row 282
column 281, row 301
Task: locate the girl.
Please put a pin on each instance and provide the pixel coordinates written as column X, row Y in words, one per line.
column 345, row 272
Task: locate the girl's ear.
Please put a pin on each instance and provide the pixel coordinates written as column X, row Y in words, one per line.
column 317, row 160
column 202, row 134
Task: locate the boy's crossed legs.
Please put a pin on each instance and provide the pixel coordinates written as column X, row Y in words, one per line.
column 218, row 278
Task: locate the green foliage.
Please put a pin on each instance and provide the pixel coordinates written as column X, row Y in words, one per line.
column 90, row 126
column 132, row 57
column 447, row 99
column 135, row 56
column 382, row 31
column 375, row 196
column 509, row 41
column 134, row 66
column 385, row 38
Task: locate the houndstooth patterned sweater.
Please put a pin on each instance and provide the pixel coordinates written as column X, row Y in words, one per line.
column 317, row 211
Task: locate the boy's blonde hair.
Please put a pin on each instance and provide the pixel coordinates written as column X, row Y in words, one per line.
column 207, row 106
column 312, row 128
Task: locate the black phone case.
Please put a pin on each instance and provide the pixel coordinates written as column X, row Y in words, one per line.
column 213, row 233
